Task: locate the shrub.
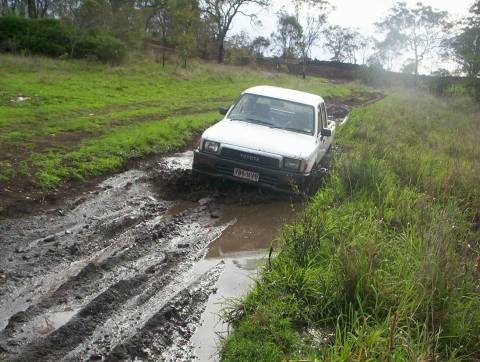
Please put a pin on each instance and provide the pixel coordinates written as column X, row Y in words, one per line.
column 473, row 86
column 104, row 48
column 12, row 33
column 48, row 37
column 53, row 38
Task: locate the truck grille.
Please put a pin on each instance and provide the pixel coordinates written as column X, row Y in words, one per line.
column 250, row 158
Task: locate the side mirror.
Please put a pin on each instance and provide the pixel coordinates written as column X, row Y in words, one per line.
column 223, row 111
column 326, row 132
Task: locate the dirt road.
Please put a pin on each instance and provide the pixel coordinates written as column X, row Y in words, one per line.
column 135, row 268
column 114, row 274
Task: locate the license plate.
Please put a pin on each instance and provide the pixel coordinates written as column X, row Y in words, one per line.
column 247, row 175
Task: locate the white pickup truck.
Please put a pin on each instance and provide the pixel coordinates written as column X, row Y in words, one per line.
column 271, row 136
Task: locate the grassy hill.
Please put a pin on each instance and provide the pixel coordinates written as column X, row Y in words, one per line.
column 62, row 120
column 385, row 263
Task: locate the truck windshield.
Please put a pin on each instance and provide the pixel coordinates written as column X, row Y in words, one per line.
column 275, row 113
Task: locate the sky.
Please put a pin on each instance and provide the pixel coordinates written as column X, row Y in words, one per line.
column 358, row 14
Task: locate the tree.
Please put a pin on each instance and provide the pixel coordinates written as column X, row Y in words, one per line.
column 238, row 48
column 27, row 8
column 408, row 67
column 384, row 53
column 92, row 15
column 418, row 30
column 365, row 47
column 314, row 13
column 185, row 16
column 160, row 23
column 221, row 14
column 288, row 36
column 342, row 43
column 205, row 38
column 259, row 45
column 466, row 48
column 440, row 81
column 175, row 22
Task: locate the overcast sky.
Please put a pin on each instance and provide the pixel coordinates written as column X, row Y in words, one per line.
column 359, row 14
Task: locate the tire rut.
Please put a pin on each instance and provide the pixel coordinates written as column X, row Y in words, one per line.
column 154, row 340
column 113, row 260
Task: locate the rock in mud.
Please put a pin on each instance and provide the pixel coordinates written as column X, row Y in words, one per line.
column 49, row 238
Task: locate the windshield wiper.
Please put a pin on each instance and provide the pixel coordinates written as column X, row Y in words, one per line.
column 258, row 121
column 292, row 129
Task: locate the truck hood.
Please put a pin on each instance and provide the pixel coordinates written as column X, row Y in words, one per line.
column 261, row 138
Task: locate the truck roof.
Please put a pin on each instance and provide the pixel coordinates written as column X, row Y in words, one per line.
column 286, row 94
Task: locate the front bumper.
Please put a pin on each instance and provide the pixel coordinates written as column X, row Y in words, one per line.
column 279, row 180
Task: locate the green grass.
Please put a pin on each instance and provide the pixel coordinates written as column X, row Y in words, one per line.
column 83, row 119
column 384, row 264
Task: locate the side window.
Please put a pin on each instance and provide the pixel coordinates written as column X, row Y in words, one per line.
column 324, row 116
column 320, row 119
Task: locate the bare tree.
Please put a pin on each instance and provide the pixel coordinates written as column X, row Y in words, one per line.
column 465, row 48
column 222, row 13
column 342, row 43
column 259, row 45
column 418, row 30
column 314, row 14
column 286, row 38
column 366, row 45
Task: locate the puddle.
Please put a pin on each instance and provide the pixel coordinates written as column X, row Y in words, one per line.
column 179, row 161
column 243, row 246
column 234, row 282
column 180, row 206
column 254, row 228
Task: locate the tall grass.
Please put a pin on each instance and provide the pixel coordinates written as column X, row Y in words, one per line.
column 384, row 263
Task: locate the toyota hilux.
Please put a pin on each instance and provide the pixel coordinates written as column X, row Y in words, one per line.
column 272, row 137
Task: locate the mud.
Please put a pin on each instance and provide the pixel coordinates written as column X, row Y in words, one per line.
column 114, row 274
column 135, row 268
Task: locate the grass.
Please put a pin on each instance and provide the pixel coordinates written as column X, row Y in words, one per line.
column 385, row 263
column 81, row 119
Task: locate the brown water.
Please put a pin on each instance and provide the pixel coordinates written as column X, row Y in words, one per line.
column 244, row 247
column 253, row 228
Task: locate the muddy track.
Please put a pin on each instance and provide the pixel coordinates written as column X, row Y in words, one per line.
column 99, row 269
column 113, row 274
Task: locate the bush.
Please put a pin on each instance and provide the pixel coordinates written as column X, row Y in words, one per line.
column 53, row 38
column 473, row 87
column 48, row 37
column 12, row 33
column 104, row 48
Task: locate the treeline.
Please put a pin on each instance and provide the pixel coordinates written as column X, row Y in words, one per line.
column 187, row 28
column 184, row 29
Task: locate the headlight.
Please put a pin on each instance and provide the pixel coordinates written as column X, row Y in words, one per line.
column 211, row 147
column 292, row 164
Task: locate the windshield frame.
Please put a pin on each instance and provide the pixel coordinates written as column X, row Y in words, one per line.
column 315, row 122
